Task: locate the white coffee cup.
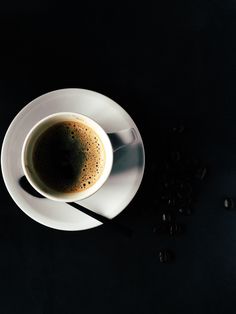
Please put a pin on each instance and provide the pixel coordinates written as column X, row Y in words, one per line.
column 31, row 173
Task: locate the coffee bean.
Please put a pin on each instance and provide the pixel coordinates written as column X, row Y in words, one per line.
column 201, row 173
column 166, row 256
column 171, row 202
column 166, row 217
column 228, row 203
column 175, row 229
column 165, row 196
column 185, row 211
column 165, row 185
column 177, row 130
column 179, row 195
column 181, row 210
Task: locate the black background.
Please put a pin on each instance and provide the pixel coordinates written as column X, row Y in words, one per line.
column 166, row 63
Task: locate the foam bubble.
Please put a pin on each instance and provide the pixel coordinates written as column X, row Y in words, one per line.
column 94, row 157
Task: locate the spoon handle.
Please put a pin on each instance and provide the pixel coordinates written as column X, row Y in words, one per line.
column 109, row 222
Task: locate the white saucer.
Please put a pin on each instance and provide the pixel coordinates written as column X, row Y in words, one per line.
column 115, row 194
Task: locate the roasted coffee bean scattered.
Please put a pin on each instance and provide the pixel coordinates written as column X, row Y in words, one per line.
column 201, row 173
column 175, row 229
column 179, row 179
column 177, row 130
column 165, row 196
column 171, row 202
column 167, row 217
column 180, row 195
column 229, row 203
column 166, row 256
column 185, row 211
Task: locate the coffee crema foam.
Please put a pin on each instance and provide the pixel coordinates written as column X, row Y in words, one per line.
column 69, row 157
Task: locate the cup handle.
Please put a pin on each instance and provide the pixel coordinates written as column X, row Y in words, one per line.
column 122, row 138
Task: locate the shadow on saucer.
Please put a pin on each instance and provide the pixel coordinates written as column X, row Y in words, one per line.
column 128, row 158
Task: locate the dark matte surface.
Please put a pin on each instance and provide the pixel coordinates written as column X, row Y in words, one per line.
column 165, row 63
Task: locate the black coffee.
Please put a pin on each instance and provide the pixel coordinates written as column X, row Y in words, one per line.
column 69, row 157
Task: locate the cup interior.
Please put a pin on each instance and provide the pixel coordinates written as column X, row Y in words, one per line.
column 29, row 146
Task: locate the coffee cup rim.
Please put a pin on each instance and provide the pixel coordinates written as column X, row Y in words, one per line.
column 73, row 196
